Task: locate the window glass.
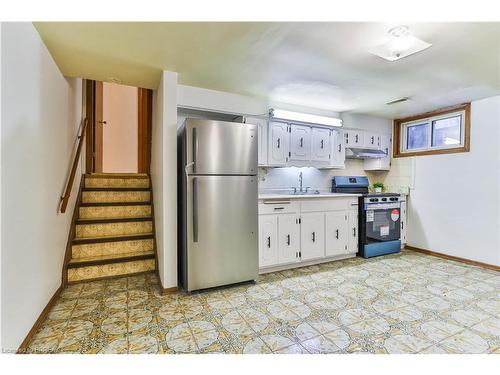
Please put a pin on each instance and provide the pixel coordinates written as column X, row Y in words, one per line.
column 446, row 131
column 417, row 136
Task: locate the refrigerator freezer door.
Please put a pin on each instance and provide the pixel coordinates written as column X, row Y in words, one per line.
column 218, row 147
column 222, row 230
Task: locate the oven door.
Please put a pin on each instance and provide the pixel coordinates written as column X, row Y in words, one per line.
column 382, row 222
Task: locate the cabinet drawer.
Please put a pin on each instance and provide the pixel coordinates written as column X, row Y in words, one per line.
column 272, row 206
column 322, row 205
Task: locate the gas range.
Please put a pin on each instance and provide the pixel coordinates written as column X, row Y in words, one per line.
column 379, row 216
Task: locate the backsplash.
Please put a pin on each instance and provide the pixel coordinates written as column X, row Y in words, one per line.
column 271, row 179
column 397, row 180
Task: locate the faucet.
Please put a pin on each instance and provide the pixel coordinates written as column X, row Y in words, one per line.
column 300, row 182
column 300, row 189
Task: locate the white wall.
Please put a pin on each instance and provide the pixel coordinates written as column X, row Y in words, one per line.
column 219, row 101
column 41, row 110
column 164, row 176
column 455, row 204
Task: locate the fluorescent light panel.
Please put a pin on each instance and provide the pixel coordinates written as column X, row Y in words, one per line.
column 305, row 117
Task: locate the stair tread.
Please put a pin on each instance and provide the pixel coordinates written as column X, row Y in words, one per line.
column 85, row 262
column 128, row 237
column 105, row 204
column 111, row 189
column 113, row 220
column 116, row 175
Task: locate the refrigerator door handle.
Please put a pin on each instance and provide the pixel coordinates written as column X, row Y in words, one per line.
column 195, row 209
column 195, row 149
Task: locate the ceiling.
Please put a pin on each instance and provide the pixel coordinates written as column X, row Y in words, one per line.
column 318, row 65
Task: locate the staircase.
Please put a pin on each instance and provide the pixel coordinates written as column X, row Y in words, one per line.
column 113, row 231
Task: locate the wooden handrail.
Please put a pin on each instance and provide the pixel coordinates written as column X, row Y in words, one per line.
column 69, row 185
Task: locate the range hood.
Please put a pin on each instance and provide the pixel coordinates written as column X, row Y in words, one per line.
column 364, row 153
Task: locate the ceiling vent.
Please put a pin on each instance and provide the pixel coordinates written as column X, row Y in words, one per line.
column 400, row 100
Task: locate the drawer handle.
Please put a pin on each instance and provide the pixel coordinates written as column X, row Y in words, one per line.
column 276, row 202
column 288, row 239
column 314, row 236
column 354, row 204
column 269, row 242
column 279, row 208
column 337, row 234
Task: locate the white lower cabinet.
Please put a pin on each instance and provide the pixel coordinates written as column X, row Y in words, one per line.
column 403, row 222
column 336, row 233
column 312, row 236
column 352, row 232
column 268, row 240
column 288, row 238
column 307, row 231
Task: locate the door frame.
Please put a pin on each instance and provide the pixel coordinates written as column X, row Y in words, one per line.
column 94, row 141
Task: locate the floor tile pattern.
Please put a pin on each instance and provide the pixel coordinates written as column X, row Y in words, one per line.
column 403, row 303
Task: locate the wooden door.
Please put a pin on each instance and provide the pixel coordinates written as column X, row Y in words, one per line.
column 98, row 127
column 145, row 101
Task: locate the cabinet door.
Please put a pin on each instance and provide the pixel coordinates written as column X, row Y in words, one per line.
column 321, row 150
column 268, row 244
column 380, row 164
column 352, row 233
column 354, row 138
column 262, row 138
column 288, row 238
column 336, row 233
column 371, row 140
column 403, row 223
column 300, row 143
column 278, row 143
column 312, row 236
column 385, row 145
column 338, row 149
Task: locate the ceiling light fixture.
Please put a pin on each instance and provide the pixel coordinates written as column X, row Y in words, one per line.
column 400, row 43
column 304, row 117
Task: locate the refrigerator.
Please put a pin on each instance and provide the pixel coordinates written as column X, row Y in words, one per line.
column 218, row 195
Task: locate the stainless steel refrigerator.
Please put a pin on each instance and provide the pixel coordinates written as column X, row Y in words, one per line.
column 218, row 196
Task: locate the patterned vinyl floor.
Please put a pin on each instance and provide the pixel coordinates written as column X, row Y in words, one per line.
column 405, row 303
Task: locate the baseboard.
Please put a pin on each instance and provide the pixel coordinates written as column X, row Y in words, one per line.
column 164, row 290
column 169, row 290
column 38, row 323
column 451, row 257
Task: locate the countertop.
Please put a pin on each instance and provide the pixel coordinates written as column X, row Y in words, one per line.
column 306, row 196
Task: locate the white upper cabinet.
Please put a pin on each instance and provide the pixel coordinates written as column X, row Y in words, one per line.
column 371, row 140
column 354, row 138
column 278, row 143
column 381, row 164
column 338, row 149
column 321, row 145
column 300, row 143
column 262, row 137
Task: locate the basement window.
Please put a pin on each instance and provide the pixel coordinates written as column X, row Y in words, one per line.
column 438, row 132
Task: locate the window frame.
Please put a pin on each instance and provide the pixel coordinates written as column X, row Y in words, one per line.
column 401, row 126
